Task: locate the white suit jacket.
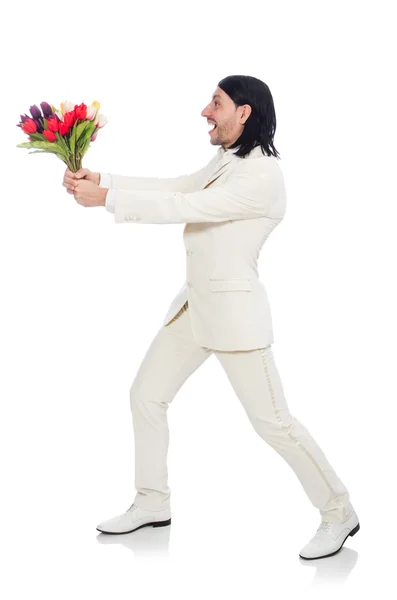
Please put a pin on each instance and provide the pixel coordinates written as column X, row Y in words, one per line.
column 230, row 207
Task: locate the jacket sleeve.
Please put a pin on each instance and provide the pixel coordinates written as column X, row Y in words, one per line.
column 183, row 183
column 247, row 194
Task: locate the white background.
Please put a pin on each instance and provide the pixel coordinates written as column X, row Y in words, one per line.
column 78, row 309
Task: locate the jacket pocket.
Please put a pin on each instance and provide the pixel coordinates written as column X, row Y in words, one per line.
column 230, row 285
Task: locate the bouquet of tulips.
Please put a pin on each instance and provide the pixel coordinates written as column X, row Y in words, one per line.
column 66, row 132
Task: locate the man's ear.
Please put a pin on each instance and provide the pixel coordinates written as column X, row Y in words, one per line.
column 245, row 113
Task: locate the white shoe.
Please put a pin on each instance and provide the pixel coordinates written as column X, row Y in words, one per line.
column 135, row 518
column 330, row 538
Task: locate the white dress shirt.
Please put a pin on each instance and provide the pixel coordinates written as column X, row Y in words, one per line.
column 105, row 181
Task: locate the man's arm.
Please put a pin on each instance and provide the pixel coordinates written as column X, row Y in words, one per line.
column 247, row 194
column 183, row 183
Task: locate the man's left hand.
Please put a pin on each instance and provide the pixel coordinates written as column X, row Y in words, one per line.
column 89, row 194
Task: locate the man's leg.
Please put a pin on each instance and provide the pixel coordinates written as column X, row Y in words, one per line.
column 256, row 381
column 172, row 356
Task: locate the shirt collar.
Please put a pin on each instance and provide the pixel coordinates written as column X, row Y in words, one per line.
column 222, row 151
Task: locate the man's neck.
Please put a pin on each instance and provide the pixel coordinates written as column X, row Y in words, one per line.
column 228, row 149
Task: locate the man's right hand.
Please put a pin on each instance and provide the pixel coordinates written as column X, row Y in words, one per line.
column 69, row 179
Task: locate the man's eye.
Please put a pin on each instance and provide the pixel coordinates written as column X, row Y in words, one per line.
column 216, row 103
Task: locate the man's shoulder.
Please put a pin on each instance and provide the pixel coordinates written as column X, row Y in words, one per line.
column 256, row 162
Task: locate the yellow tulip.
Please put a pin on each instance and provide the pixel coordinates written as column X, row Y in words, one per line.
column 97, row 105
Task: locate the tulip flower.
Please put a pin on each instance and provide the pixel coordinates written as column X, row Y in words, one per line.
column 69, row 118
column 53, row 124
column 29, row 126
column 46, row 108
column 100, row 121
column 66, row 107
column 63, row 128
column 80, row 111
column 91, row 112
column 39, row 126
column 35, row 112
column 66, row 132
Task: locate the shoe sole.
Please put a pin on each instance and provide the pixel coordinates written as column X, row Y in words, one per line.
column 353, row 532
column 153, row 524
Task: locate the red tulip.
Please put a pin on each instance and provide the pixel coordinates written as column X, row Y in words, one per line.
column 52, row 123
column 63, row 128
column 29, row 126
column 81, row 111
column 51, row 137
column 69, row 118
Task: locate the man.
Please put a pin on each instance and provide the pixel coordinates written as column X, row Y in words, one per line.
column 222, row 308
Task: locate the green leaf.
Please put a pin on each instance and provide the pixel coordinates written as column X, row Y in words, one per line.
column 72, row 139
column 58, row 149
column 46, row 146
column 27, row 145
column 86, row 146
column 87, row 133
column 62, row 142
column 37, row 136
column 80, row 129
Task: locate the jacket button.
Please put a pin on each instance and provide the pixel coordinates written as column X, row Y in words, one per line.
column 189, row 252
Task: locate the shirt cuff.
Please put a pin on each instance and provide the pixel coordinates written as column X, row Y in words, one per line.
column 105, row 180
column 110, row 200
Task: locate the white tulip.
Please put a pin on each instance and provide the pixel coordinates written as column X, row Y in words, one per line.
column 101, row 120
column 91, row 112
column 68, row 106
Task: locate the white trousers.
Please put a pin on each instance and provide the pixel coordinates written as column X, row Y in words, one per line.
column 171, row 358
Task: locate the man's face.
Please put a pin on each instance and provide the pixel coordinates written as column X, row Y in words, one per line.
column 228, row 119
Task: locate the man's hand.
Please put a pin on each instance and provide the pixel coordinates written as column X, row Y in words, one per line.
column 70, row 178
column 89, row 194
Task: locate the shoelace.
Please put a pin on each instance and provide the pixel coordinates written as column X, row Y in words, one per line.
column 325, row 526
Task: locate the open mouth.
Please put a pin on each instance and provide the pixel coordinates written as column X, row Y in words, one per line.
column 213, row 127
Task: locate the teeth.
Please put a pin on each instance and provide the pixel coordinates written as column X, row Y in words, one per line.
column 211, row 125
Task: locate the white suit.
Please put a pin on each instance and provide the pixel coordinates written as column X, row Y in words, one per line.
column 230, row 207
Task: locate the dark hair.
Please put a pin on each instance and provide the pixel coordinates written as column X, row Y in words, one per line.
column 260, row 127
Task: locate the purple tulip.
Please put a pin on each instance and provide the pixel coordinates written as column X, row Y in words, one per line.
column 39, row 126
column 46, row 108
column 35, row 112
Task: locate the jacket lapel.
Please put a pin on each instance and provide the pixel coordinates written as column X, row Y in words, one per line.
column 220, row 169
column 228, row 158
